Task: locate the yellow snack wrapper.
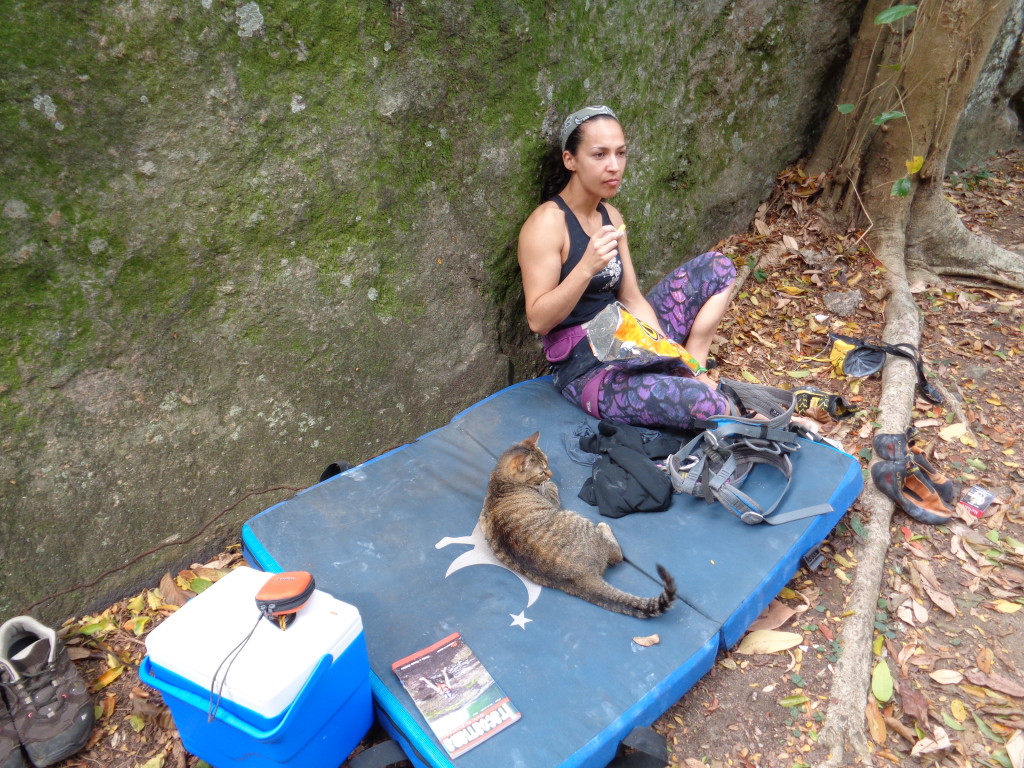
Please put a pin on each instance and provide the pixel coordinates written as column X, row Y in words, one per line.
column 616, row 334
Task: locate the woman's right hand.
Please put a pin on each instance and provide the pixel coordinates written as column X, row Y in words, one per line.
column 603, row 247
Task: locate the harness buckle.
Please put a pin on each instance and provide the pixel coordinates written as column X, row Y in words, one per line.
column 750, row 517
column 716, row 447
column 688, row 463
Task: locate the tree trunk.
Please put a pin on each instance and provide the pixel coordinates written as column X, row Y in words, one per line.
column 921, row 67
column 883, row 165
column 841, row 148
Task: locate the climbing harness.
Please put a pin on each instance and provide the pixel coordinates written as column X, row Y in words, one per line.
column 715, row 464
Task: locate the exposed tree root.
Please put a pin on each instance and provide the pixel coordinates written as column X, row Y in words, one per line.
column 981, row 277
column 845, row 728
column 955, row 404
column 938, row 243
column 917, row 236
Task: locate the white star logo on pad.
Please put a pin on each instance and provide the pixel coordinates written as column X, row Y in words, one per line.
column 519, row 620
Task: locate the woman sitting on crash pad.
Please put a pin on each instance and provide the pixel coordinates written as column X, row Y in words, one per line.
column 575, row 261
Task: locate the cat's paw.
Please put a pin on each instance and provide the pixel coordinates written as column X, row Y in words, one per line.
column 616, row 550
column 550, row 491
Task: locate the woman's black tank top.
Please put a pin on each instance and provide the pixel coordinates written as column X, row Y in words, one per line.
column 604, row 286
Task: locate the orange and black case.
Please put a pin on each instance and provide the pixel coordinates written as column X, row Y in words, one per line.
column 283, row 595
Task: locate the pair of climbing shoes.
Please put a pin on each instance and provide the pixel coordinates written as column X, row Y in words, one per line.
column 906, row 476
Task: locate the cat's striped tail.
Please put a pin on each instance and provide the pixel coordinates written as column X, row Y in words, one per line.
column 633, row 605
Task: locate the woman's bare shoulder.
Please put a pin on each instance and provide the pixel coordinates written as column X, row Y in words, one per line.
column 543, row 234
column 545, row 217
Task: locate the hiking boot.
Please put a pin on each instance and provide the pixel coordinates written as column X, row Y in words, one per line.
column 10, row 751
column 904, row 483
column 48, row 702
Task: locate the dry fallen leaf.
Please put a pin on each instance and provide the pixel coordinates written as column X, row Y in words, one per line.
column 946, row 676
column 77, row 653
column 953, row 431
column 1015, row 749
column 768, row 641
column 171, row 593
column 108, row 704
column 210, row 574
column 924, row 568
column 996, row 683
column 905, row 654
column 648, row 641
column 774, row 616
column 913, row 613
column 221, row 561
column 940, row 742
column 941, row 599
column 106, row 678
column 959, row 710
column 1005, row 606
column 876, row 723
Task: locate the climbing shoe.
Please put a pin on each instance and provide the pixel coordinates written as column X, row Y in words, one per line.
column 813, row 402
column 48, row 703
column 905, row 483
column 10, row 749
column 947, row 488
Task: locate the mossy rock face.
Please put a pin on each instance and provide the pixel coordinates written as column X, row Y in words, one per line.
column 239, row 241
column 993, row 118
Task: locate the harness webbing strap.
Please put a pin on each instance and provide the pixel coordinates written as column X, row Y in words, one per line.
column 715, row 463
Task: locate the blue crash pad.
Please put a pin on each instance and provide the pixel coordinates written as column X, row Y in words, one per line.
column 393, row 537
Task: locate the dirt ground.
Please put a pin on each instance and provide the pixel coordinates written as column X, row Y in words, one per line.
column 949, row 615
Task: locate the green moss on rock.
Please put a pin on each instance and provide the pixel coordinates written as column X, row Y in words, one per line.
column 232, row 235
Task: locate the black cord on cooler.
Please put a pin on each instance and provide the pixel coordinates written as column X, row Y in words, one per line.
column 229, row 660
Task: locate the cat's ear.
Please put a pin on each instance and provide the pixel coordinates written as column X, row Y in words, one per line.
column 532, row 440
column 517, row 463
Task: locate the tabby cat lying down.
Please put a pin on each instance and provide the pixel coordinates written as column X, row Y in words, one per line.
column 527, row 529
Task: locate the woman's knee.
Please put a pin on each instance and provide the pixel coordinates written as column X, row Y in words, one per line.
column 711, row 403
column 709, row 273
column 717, row 270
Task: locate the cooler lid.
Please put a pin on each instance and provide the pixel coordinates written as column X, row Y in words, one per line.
column 273, row 666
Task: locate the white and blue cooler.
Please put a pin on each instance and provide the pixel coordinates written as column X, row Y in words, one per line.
column 299, row 696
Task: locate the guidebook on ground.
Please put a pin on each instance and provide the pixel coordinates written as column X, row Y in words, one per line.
column 456, row 694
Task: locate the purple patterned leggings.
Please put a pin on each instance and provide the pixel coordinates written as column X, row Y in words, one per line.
column 666, row 399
